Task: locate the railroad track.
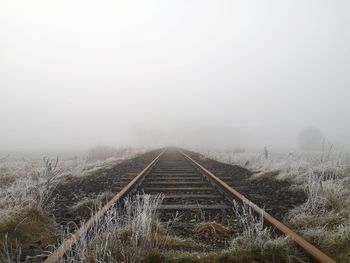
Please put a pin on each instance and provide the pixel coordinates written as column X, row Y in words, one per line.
column 188, row 194
column 192, row 194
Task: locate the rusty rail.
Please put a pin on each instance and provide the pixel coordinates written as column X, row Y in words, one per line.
column 68, row 244
column 305, row 245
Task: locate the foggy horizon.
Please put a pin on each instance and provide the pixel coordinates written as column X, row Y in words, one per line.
column 224, row 74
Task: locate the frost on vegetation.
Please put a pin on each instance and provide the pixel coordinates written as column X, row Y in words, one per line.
column 326, row 186
column 291, row 165
column 254, row 237
column 105, row 153
column 333, row 240
column 323, row 175
column 86, row 207
column 31, row 183
column 324, row 194
column 324, row 236
column 126, row 234
column 23, row 203
column 286, row 165
column 32, row 187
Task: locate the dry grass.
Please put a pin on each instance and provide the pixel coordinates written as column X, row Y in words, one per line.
column 126, row 234
column 324, row 218
column 26, row 228
column 103, row 153
column 325, row 177
column 266, row 174
column 26, row 200
column 211, row 229
column 274, row 254
column 168, row 242
column 183, row 257
column 329, row 230
column 6, row 180
column 131, row 233
column 86, row 207
column 255, row 237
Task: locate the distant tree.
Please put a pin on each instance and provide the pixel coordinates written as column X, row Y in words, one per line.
column 310, row 139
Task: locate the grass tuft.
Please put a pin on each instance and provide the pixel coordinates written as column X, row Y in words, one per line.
column 177, row 243
column 126, row 234
column 26, row 228
column 87, row 207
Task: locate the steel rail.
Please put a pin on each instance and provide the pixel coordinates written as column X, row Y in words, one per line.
column 305, row 245
column 68, row 244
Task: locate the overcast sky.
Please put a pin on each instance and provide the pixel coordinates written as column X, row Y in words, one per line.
column 74, row 74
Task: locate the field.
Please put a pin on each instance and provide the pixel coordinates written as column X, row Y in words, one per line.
column 174, row 131
column 43, row 200
column 324, row 218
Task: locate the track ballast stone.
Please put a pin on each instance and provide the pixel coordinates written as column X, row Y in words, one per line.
column 275, row 196
column 80, row 188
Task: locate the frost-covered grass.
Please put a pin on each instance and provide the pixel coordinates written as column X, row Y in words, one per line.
column 131, row 233
column 26, row 182
column 25, row 205
column 325, row 177
column 31, row 186
column 289, row 163
column 255, row 235
column 84, row 208
column 126, row 234
column 257, row 239
column 27, row 196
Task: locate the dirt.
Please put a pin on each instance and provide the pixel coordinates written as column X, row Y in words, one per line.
column 275, row 196
column 80, row 188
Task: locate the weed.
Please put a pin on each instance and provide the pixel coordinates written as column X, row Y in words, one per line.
column 29, row 227
column 177, row 243
column 86, row 207
column 254, row 237
column 125, row 234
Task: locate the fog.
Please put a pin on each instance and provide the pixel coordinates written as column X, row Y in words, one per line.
column 75, row 74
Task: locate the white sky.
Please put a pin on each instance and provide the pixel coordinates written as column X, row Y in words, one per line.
column 79, row 73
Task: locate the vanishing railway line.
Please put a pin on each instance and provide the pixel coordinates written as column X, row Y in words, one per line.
column 186, row 191
column 192, row 192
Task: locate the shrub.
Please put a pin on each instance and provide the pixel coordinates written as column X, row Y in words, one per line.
column 125, row 234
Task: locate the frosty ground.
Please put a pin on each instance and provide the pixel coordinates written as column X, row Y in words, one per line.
column 42, row 200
